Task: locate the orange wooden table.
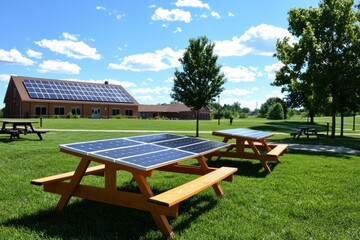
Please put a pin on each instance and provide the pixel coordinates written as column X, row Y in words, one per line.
column 140, row 155
column 249, row 139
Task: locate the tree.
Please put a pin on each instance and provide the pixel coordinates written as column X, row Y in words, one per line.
column 265, row 107
column 324, row 59
column 200, row 80
column 276, row 112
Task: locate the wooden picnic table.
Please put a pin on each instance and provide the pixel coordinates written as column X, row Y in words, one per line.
column 140, row 155
column 305, row 131
column 20, row 127
column 254, row 140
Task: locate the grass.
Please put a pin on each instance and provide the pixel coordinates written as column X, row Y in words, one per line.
column 307, row 196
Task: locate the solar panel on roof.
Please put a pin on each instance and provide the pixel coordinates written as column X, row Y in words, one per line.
column 43, row 89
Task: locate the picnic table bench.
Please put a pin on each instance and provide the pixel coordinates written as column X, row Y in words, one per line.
column 140, row 155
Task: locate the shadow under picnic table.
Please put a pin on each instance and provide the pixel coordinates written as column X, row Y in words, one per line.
column 85, row 219
column 245, row 167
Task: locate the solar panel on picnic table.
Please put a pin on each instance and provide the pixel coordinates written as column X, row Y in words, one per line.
column 146, row 152
column 244, row 132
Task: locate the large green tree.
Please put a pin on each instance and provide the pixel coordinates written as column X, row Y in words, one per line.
column 200, row 80
column 323, row 60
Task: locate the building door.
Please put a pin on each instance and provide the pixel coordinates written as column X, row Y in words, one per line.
column 95, row 113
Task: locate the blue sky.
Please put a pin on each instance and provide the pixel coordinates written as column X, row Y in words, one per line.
column 138, row 43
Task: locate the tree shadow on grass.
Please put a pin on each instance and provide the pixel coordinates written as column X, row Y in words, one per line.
column 85, row 219
column 328, row 155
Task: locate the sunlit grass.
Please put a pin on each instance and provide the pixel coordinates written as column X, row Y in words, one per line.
column 307, row 196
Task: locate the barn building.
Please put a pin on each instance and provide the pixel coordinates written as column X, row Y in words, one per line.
column 38, row 97
column 172, row 111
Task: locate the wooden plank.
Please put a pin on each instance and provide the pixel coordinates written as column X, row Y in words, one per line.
column 180, row 193
column 65, row 176
column 278, row 150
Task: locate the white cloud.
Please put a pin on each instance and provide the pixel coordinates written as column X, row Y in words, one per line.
column 274, row 67
column 169, row 80
column 70, row 48
column 231, row 48
column 160, row 60
column 100, row 8
column 155, row 90
column 120, row 16
column 56, row 66
column 259, row 40
column 230, row 14
column 71, row 37
column 14, row 57
column 275, row 93
column 240, row 73
column 178, row 29
column 162, row 14
column 34, row 54
column 144, row 99
column 270, row 69
column 4, row 77
column 192, row 3
column 236, row 92
column 215, row 14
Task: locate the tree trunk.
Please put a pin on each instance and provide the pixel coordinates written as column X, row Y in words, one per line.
column 333, row 120
column 197, row 122
column 342, row 124
column 311, row 115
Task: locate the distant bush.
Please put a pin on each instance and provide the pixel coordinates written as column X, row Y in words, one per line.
column 243, row 115
column 119, row 116
column 71, row 115
column 55, row 116
column 276, row 112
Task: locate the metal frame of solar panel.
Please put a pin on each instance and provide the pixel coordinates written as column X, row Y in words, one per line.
column 57, row 90
column 146, row 152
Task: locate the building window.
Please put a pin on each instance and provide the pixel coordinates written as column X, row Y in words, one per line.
column 115, row 111
column 75, row 111
column 40, row 111
column 59, row 111
column 128, row 112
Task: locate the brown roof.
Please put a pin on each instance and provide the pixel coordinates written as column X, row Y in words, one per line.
column 178, row 107
column 18, row 81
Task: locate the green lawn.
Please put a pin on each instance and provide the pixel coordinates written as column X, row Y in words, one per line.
column 307, row 196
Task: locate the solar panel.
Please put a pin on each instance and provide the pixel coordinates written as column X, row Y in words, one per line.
column 145, row 152
column 243, row 132
column 57, row 90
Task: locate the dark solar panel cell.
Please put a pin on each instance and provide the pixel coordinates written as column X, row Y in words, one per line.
column 89, row 147
column 129, row 151
column 203, row 147
column 180, row 142
column 156, row 158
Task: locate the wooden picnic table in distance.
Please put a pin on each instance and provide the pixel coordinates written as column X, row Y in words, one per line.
column 20, row 127
column 305, row 131
column 139, row 155
column 253, row 139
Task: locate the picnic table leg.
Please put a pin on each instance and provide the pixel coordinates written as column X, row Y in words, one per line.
column 74, row 182
column 225, row 140
column 262, row 159
column 205, row 168
column 160, row 220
